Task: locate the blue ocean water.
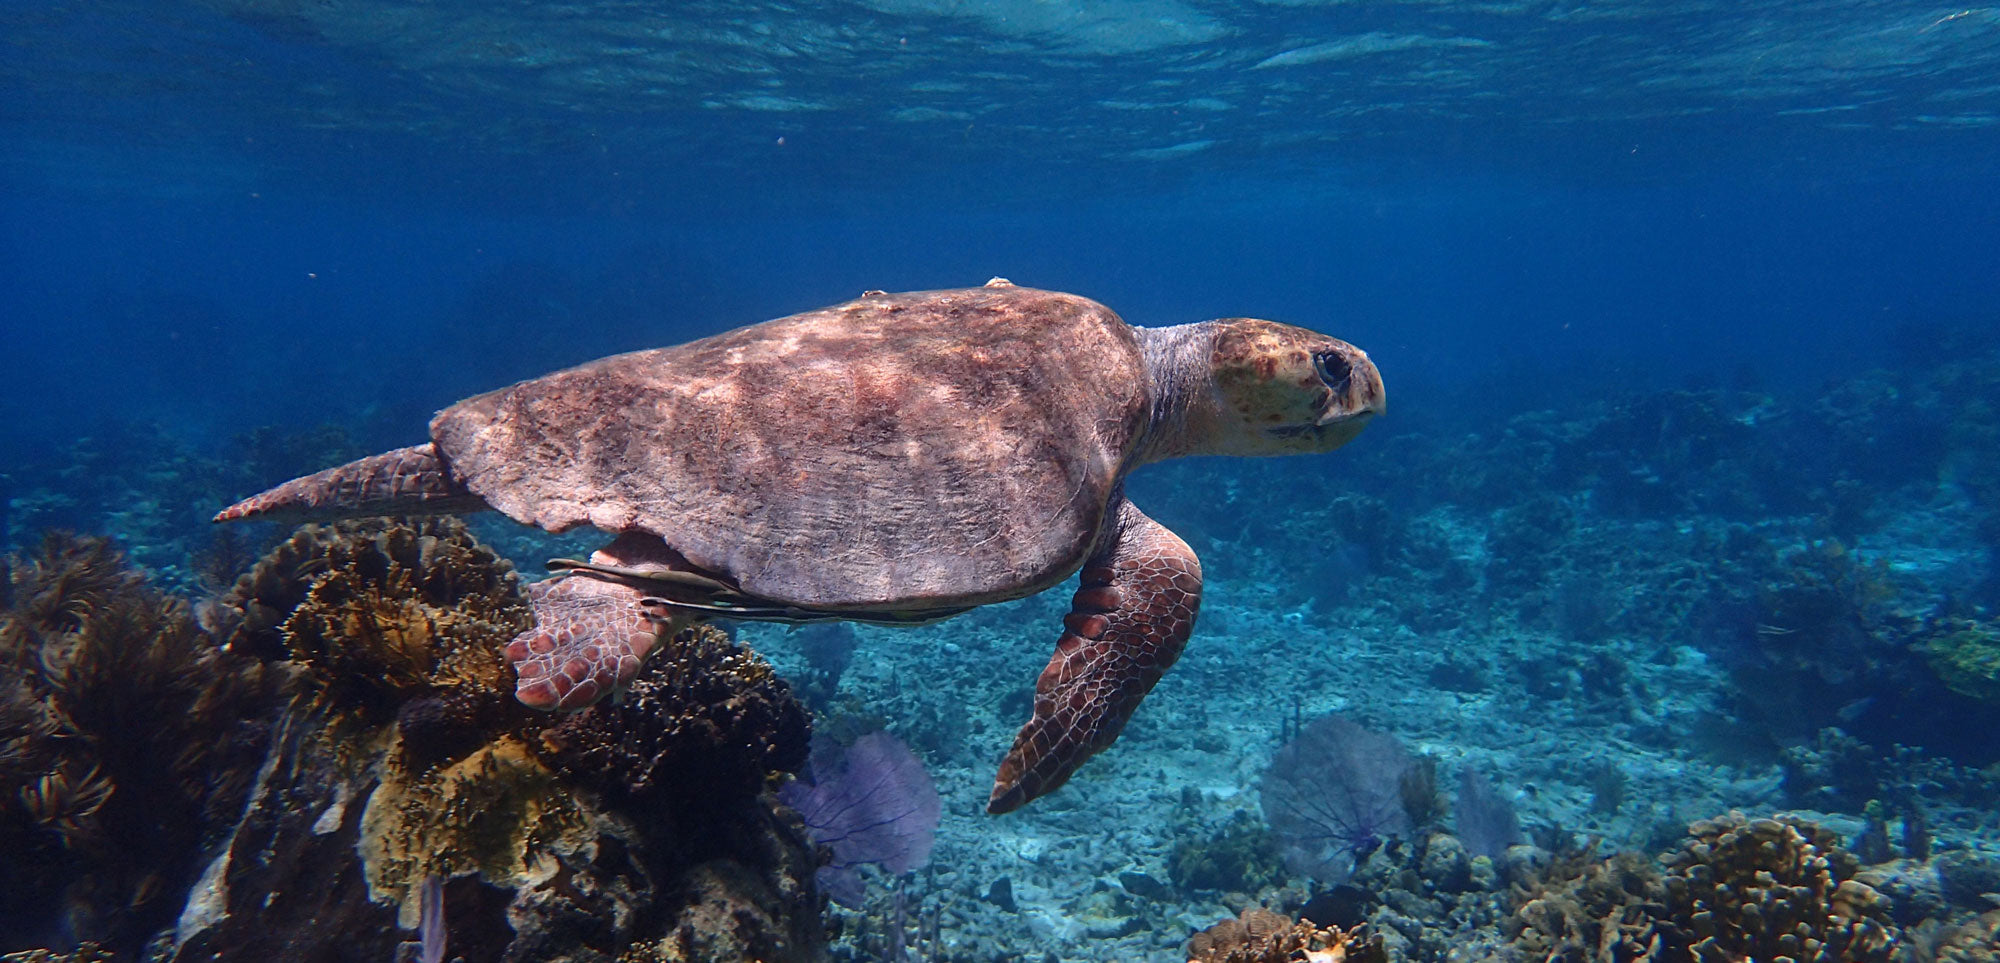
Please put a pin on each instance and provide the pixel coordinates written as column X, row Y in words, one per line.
column 1648, row 281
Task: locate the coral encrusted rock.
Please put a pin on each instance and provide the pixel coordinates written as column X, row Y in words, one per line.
column 379, row 611
column 411, row 781
column 1736, row 889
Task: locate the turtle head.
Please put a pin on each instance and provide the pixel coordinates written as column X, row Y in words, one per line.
column 1281, row 390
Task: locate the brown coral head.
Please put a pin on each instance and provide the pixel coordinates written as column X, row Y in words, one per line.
column 379, row 611
column 1259, row 935
column 1777, row 887
column 706, row 721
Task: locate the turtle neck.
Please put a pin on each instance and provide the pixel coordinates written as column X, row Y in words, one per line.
column 1178, row 373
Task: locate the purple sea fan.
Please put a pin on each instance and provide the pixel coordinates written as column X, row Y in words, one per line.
column 876, row 804
column 1333, row 795
column 1485, row 819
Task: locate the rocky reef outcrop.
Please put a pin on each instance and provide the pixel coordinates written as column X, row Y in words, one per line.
column 387, row 798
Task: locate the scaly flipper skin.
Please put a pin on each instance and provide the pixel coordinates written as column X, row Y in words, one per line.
column 1127, row 624
column 588, row 640
column 591, row 634
column 407, row 481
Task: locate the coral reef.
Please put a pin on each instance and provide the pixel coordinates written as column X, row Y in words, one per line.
column 1976, row 940
column 123, row 730
column 490, row 813
column 1258, row 935
column 435, row 774
column 1768, row 888
column 172, row 792
column 1585, row 908
column 1831, row 640
column 1736, row 889
column 702, row 704
column 1837, row 771
column 379, row 611
column 1629, row 608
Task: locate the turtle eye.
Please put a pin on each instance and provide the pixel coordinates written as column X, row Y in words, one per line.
column 1333, row 369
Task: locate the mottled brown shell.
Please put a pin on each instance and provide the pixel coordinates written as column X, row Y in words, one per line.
column 905, row 451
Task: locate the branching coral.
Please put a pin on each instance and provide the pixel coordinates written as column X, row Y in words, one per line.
column 1736, row 889
column 1584, row 909
column 1261, row 936
column 1769, row 888
column 705, row 722
column 380, row 611
column 1976, row 940
column 125, row 733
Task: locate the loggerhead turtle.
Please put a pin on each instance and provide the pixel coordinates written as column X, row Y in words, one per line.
column 897, row 459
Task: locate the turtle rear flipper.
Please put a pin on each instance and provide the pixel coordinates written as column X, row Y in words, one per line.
column 407, row 481
column 592, row 630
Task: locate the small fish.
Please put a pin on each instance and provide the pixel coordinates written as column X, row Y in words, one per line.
column 1856, row 709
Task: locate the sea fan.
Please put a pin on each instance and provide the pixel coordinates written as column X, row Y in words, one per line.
column 1484, row 819
column 1334, row 795
column 876, row 805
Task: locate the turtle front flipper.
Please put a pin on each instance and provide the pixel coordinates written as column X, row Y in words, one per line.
column 1127, row 624
column 592, row 631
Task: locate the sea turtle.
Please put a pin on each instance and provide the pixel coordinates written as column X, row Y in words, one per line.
column 899, row 459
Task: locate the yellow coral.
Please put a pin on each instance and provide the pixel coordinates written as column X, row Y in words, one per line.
column 497, row 812
column 1966, row 657
column 385, row 636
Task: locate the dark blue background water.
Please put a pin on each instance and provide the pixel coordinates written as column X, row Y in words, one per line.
column 229, row 215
